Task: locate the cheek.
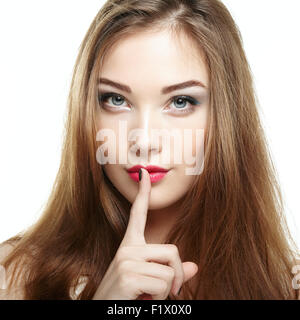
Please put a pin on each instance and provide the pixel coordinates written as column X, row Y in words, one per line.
column 172, row 189
column 197, row 147
column 193, row 144
column 108, row 133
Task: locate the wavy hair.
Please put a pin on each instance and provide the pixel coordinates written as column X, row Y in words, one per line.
column 233, row 226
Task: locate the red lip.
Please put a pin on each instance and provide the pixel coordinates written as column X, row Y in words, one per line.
column 156, row 173
column 148, row 168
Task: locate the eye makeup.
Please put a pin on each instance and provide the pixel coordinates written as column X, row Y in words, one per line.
column 117, row 100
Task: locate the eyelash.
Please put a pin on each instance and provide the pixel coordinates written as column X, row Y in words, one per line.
column 103, row 96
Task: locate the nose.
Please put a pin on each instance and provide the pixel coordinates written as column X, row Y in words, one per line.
column 146, row 142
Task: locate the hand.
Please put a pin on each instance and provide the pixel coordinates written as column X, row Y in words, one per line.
column 141, row 269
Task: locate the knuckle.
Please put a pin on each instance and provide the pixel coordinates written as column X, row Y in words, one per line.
column 125, row 279
column 173, row 248
column 170, row 273
column 163, row 286
column 123, row 266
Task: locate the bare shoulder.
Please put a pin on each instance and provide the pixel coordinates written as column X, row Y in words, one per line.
column 5, row 294
column 5, row 249
column 298, row 270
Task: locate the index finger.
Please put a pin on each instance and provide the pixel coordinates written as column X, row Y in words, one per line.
column 134, row 234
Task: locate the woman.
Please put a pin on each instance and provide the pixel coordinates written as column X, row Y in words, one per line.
column 219, row 234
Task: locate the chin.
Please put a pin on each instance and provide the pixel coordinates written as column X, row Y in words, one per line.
column 158, row 205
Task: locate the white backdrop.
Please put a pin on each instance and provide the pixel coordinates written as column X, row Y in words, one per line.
column 39, row 44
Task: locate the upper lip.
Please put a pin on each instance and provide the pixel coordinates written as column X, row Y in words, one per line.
column 148, row 168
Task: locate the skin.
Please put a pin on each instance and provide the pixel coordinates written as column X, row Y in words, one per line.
column 147, row 62
column 141, row 271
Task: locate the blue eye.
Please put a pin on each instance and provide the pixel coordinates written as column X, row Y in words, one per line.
column 116, row 98
column 183, row 102
column 180, row 102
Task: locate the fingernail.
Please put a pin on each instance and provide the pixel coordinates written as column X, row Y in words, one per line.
column 140, row 174
column 179, row 291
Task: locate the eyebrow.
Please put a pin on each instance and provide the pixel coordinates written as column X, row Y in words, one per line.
column 164, row 90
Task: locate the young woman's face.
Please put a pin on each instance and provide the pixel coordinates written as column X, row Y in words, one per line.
column 146, row 63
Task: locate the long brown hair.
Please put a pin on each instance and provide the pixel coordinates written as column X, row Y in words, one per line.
column 233, row 225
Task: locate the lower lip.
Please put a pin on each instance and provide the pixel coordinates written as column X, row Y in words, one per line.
column 154, row 176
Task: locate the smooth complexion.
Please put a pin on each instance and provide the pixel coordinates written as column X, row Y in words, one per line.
column 144, row 64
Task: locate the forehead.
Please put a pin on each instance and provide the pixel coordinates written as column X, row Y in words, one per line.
column 150, row 58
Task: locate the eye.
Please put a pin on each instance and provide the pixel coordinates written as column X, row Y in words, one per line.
column 117, row 100
column 180, row 102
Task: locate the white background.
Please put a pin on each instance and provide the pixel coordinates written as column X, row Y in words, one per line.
column 39, row 45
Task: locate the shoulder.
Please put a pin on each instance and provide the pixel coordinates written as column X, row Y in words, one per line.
column 15, row 293
column 298, row 263
column 5, row 249
column 296, row 272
